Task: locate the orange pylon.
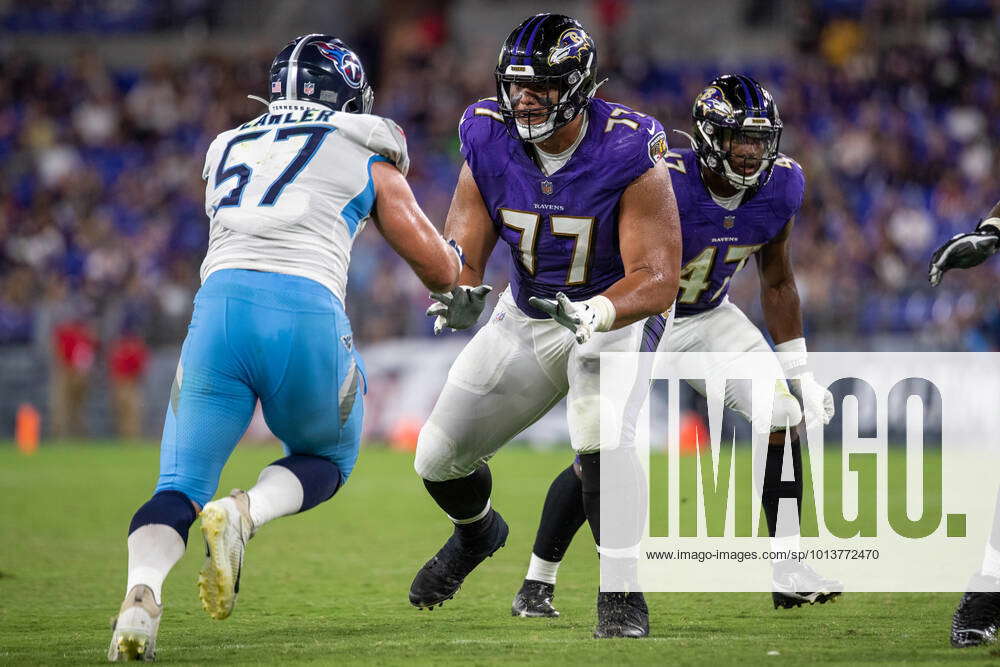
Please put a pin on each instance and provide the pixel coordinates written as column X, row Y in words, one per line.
column 27, row 428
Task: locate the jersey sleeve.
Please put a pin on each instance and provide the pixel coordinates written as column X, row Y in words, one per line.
column 388, row 140
column 480, row 123
column 637, row 142
column 211, row 155
column 788, row 199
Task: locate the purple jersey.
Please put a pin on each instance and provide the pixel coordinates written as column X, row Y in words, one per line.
column 562, row 229
column 719, row 242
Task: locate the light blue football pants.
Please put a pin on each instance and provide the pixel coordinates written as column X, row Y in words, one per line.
column 282, row 339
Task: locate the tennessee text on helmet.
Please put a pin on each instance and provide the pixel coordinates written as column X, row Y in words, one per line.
column 552, row 59
column 321, row 68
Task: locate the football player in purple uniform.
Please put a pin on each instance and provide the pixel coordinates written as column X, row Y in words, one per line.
column 577, row 188
column 976, row 620
column 738, row 197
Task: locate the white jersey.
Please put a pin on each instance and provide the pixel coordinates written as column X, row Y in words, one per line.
column 288, row 191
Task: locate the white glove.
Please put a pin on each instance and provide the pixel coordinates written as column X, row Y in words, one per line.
column 583, row 318
column 459, row 309
column 817, row 401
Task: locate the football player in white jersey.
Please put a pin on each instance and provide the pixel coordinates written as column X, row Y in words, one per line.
column 286, row 195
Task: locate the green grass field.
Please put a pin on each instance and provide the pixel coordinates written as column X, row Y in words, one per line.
column 330, row 585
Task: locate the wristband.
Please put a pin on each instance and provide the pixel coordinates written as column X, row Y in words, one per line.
column 458, row 249
column 792, row 356
column 604, row 312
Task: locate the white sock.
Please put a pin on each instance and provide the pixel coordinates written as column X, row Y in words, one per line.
column 786, row 544
column 152, row 550
column 278, row 492
column 991, row 561
column 540, row 569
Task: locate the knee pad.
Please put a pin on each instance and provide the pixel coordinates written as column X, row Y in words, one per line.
column 320, row 478
column 435, row 460
column 170, row 508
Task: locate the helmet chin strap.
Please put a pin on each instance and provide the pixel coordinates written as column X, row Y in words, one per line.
column 546, row 130
column 739, row 181
column 694, row 146
column 736, row 180
column 743, row 182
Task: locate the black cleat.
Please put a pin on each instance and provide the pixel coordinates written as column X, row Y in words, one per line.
column 977, row 617
column 794, row 583
column 621, row 615
column 441, row 577
column 534, row 600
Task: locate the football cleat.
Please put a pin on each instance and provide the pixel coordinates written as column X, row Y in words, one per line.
column 226, row 527
column 621, row 615
column 441, row 577
column 534, row 600
column 134, row 631
column 794, row 583
column 977, row 617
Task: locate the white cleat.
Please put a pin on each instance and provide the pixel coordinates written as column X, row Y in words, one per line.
column 226, row 527
column 134, row 636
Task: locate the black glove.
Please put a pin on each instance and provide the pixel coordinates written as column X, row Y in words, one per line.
column 964, row 251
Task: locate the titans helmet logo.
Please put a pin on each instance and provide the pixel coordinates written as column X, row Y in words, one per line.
column 345, row 61
column 712, row 102
column 573, row 43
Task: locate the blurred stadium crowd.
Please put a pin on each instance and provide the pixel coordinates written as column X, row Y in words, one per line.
column 895, row 121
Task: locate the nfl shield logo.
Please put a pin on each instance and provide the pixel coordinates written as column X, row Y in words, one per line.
column 276, row 86
column 309, row 88
column 729, row 221
column 546, row 187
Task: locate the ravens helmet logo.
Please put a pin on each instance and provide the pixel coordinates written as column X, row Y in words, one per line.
column 571, row 44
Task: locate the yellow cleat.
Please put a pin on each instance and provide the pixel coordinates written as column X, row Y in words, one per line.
column 226, row 527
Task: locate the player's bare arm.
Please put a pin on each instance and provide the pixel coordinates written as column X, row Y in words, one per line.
column 469, row 225
column 649, row 234
column 409, row 232
column 779, row 297
column 964, row 251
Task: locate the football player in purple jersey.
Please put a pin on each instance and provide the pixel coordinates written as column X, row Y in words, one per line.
column 976, row 620
column 577, row 189
column 737, row 197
